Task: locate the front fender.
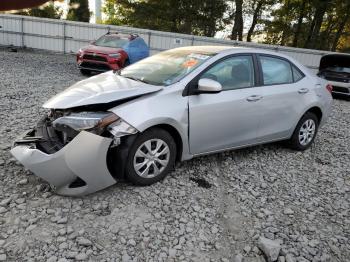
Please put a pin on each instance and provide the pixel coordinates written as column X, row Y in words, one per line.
column 168, row 107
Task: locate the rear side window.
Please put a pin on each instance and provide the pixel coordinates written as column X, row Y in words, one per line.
column 276, row 71
column 297, row 75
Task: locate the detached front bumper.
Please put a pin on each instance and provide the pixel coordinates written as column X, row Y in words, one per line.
column 83, row 159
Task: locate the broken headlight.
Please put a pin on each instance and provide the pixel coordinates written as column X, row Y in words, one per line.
column 86, row 121
column 120, row 128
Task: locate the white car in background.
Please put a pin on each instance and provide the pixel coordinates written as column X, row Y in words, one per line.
column 335, row 68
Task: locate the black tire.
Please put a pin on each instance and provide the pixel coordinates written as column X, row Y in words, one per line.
column 126, row 63
column 85, row 72
column 295, row 142
column 151, row 134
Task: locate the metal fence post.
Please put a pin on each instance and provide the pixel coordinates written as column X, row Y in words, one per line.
column 64, row 37
column 149, row 39
column 192, row 40
column 22, row 32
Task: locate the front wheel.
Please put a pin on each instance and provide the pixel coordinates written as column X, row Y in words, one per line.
column 151, row 157
column 126, row 63
column 305, row 132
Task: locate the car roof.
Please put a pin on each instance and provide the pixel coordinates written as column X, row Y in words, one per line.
column 121, row 35
column 210, row 49
column 222, row 49
column 227, row 50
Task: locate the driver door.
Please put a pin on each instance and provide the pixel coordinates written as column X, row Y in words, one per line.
column 228, row 119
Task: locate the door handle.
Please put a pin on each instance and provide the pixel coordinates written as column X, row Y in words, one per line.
column 303, row 90
column 254, row 98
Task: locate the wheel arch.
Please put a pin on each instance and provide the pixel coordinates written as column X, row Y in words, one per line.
column 317, row 111
column 294, row 140
column 175, row 135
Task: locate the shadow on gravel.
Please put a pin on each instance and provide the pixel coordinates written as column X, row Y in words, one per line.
column 201, row 182
column 103, row 211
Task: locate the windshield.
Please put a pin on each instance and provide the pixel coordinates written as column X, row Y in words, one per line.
column 111, row 41
column 167, row 67
column 339, row 69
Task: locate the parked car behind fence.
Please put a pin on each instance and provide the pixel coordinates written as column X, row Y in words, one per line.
column 111, row 51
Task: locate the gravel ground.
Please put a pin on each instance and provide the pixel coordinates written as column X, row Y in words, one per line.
column 253, row 204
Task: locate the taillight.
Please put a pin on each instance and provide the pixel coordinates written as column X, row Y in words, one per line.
column 329, row 87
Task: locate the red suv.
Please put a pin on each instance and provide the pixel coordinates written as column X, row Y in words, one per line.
column 111, row 51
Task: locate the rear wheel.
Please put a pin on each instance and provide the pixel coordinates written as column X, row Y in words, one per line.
column 305, row 132
column 151, row 157
column 85, row 72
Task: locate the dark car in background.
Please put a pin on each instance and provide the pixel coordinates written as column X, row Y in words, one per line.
column 336, row 69
column 111, row 51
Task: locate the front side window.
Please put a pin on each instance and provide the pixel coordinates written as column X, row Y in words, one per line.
column 167, row 67
column 276, row 71
column 233, row 73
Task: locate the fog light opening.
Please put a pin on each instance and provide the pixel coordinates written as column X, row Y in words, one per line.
column 78, row 182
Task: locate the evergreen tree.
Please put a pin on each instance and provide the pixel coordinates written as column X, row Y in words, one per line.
column 45, row 11
column 79, row 11
column 314, row 24
column 200, row 17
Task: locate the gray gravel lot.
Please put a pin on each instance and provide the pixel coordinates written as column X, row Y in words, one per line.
column 222, row 207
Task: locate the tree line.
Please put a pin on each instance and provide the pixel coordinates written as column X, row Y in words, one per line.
column 313, row 24
column 78, row 10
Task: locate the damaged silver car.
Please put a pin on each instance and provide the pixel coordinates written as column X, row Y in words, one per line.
column 181, row 103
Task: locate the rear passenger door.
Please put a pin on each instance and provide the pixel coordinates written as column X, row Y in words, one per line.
column 285, row 93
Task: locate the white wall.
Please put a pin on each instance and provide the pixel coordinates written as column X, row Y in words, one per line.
column 67, row 36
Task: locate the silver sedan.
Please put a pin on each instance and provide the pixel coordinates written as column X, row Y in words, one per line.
column 136, row 123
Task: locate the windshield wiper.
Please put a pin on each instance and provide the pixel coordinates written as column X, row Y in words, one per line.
column 137, row 79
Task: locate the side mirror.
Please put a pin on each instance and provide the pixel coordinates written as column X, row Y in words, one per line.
column 92, row 42
column 206, row 85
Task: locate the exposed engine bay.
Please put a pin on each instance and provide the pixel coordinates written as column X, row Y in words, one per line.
column 61, row 132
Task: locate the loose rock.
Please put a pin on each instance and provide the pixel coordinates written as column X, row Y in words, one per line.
column 270, row 248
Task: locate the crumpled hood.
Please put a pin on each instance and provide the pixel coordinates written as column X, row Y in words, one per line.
column 103, row 88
